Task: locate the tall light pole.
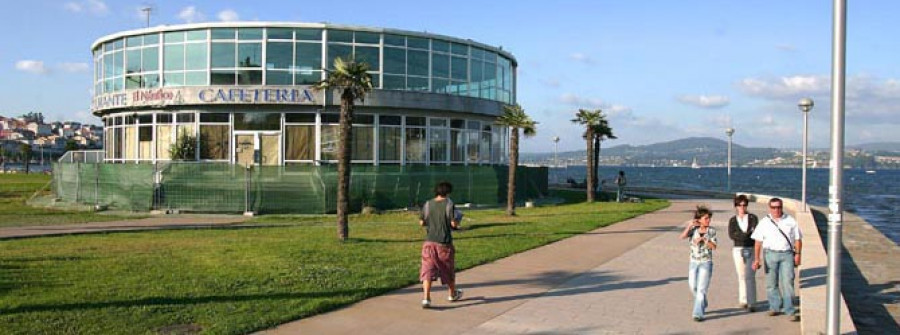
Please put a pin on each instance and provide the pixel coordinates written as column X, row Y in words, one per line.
column 806, row 105
column 729, row 131
column 555, row 151
column 835, row 187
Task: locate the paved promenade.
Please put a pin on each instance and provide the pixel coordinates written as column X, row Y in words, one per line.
column 627, row 278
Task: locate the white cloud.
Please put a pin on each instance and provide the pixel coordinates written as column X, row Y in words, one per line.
column 96, row 7
column 869, row 100
column 31, row 66
column 74, row 67
column 704, row 101
column 580, row 57
column 190, row 14
column 580, row 102
column 228, row 15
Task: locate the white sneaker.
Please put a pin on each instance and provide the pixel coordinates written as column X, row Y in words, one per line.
column 426, row 303
column 457, row 295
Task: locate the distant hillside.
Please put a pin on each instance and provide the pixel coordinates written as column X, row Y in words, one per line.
column 706, row 150
column 878, row 146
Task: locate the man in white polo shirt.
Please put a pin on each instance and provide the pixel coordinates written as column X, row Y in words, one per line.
column 779, row 235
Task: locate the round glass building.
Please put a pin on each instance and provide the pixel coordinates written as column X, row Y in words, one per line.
column 244, row 92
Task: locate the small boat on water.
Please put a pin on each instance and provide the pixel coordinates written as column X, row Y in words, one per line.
column 694, row 165
column 870, row 171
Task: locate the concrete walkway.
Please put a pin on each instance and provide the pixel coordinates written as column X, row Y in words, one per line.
column 627, row 278
column 163, row 222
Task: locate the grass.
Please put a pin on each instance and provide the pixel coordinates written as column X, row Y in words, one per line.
column 15, row 189
column 239, row 280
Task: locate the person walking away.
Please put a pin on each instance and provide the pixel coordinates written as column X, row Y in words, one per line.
column 703, row 242
column 740, row 228
column 620, row 186
column 779, row 236
column 438, row 254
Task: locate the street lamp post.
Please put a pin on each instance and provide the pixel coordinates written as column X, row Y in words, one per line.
column 836, row 184
column 556, row 151
column 729, row 131
column 806, row 105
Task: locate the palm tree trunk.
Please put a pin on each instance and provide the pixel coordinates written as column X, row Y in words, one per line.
column 596, row 165
column 344, row 156
column 590, row 166
column 513, row 163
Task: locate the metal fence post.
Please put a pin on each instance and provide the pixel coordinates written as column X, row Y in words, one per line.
column 77, row 182
column 96, row 186
column 247, row 191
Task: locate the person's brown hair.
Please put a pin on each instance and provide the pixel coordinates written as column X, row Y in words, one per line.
column 443, row 189
column 741, row 198
column 701, row 211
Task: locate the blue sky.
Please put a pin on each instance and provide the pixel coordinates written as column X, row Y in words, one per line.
column 660, row 70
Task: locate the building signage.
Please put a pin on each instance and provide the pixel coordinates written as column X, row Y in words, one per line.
column 205, row 95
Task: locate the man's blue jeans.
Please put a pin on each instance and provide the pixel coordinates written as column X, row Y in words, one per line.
column 780, row 281
column 699, row 275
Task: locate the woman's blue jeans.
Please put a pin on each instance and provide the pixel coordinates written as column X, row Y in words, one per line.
column 698, row 279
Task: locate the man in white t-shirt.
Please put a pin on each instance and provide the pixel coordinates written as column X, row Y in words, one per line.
column 779, row 235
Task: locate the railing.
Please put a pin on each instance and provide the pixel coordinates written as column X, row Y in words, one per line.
column 83, row 156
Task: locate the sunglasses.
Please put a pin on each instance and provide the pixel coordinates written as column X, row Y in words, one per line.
column 775, row 207
column 741, row 205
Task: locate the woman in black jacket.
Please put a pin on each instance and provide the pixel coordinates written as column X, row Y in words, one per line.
column 740, row 227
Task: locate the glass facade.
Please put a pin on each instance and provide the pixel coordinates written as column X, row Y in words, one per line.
column 297, row 56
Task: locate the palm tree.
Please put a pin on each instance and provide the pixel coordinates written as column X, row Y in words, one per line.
column 515, row 118
column 590, row 120
column 601, row 132
column 352, row 79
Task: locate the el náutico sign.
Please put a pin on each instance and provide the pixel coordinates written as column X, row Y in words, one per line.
column 205, row 95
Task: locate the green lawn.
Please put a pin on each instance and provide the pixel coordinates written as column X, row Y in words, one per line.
column 238, row 280
column 15, row 189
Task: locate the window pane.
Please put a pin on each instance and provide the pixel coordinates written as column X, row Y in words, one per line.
column 395, row 60
column 484, row 154
column 214, row 143
column 174, row 57
column 417, row 42
column 132, row 82
column 335, row 51
column 417, row 84
column 363, row 143
column 459, row 49
column 369, row 55
column 280, row 34
column 394, row 82
column 174, row 37
column 250, row 55
column 331, row 118
column 329, row 142
column 195, row 78
column 368, row 37
column 460, row 68
column 279, row 78
column 250, row 33
column 472, row 146
column 299, row 142
column 279, row 55
column 223, row 34
column 196, row 56
column 415, row 121
column 151, row 59
column 223, row 55
column 300, row 117
column 340, row 36
column 151, row 39
column 163, row 141
column 249, row 77
column 307, row 78
column 390, row 120
column 196, row 35
column 257, row 121
column 213, row 117
column 309, row 56
column 440, row 46
column 185, row 118
column 457, row 145
column 220, row 77
column 477, row 71
column 150, row 80
column 163, row 118
column 417, row 63
column 438, row 149
column 172, row 79
column 415, row 144
column 389, row 142
column 440, row 85
column 394, row 40
column 440, row 66
column 307, row 34
column 133, row 61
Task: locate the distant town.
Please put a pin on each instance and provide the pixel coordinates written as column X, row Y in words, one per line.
column 30, row 135
column 713, row 152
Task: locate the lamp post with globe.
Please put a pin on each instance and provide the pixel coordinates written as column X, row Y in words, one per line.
column 806, row 105
column 729, row 131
